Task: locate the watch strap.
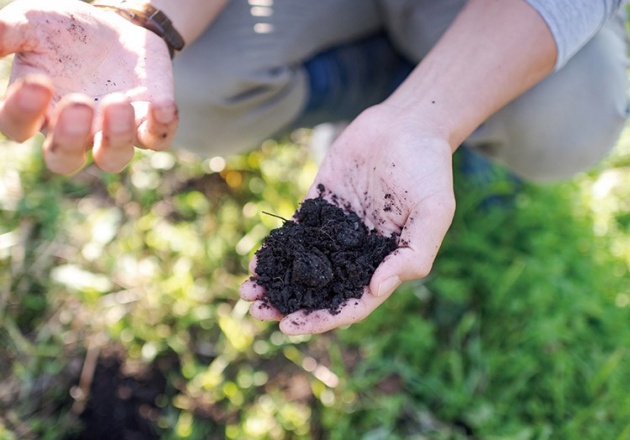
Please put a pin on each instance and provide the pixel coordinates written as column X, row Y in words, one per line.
column 150, row 18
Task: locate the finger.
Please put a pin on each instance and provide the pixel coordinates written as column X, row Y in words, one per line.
column 69, row 134
column 250, row 290
column 253, row 264
column 16, row 32
column 419, row 243
column 158, row 129
column 265, row 312
column 320, row 321
column 23, row 110
column 113, row 146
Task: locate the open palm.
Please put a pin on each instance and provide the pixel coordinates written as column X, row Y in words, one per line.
column 85, row 75
column 399, row 180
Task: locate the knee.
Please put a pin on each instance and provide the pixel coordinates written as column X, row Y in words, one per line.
column 555, row 149
column 226, row 109
column 572, row 119
column 565, row 154
column 203, row 76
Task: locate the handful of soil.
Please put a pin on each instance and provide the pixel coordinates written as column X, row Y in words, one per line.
column 320, row 260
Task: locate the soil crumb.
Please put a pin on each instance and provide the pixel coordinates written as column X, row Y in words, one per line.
column 320, row 260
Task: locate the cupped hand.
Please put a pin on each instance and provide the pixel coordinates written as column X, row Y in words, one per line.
column 396, row 174
column 86, row 77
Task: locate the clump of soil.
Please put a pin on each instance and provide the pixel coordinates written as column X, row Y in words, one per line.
column 121, row 406
column 323, row 258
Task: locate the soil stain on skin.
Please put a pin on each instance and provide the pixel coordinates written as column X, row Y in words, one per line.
column 320, row 260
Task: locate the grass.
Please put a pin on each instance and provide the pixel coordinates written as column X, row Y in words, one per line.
column 520, row 332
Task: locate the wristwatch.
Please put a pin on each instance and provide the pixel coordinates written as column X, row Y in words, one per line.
column 149, row 17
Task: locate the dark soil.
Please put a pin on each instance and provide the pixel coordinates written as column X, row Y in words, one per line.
column 321, row 259
column 123, row 407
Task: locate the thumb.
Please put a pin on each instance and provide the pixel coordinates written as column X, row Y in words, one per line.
column 16, row 31
column 418, row 246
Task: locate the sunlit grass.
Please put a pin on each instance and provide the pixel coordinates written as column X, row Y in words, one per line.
column 147, row 263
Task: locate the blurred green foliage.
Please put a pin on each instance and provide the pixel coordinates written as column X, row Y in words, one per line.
column 520, row 332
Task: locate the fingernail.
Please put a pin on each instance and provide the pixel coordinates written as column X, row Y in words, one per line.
column 76, row 120
column 388, row 286
column 165, row 114
column 33, row 97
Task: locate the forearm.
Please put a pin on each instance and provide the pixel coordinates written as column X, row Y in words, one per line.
column 190, row 17
column 494, row 51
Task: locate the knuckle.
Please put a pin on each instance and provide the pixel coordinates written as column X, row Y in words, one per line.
column 18, row 137
column 112, row 167
column 160, row 138
column 112, row 163
column 63, row 167
column 449, row 204
column 441, row 206
column 422, row 269
column 160, row 146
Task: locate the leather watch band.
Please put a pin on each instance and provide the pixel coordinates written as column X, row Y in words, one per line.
column 149, row 17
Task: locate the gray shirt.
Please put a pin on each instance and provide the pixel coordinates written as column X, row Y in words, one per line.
column 574, row 22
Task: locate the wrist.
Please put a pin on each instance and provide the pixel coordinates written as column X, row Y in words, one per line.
column 190, row 17
column 145, row 15
column 493, row 52
column 402, row 127
column 424, row 113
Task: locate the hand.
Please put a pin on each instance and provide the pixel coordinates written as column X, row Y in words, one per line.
column 85, row 77
column 381, row 153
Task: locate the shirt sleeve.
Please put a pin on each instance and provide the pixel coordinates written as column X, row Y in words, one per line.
column 574, row 22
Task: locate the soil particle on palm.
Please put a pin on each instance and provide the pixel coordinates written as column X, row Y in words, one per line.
column 319, row 260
